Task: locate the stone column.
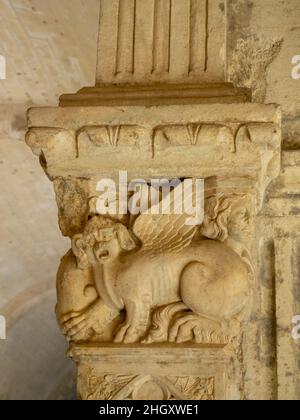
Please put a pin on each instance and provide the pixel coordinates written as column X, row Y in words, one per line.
column 142, row 41
column 154, row 308
column 160, row 52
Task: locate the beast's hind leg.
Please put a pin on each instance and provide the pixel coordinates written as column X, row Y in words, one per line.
column 215, row 289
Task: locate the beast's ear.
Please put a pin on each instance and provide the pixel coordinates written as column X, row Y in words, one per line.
column 79, row 250
column 126, row 240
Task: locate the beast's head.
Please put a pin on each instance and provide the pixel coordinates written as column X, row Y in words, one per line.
column 217, row 212
column 102, row 241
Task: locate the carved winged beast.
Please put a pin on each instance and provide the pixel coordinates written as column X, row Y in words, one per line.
column 171, row 286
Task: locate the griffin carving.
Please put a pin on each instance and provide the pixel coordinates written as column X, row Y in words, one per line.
column 172, row 282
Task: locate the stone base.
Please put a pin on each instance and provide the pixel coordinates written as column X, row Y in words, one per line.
column 153, row 95
column 156, row 373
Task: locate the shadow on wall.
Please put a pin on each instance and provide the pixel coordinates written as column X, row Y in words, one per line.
column 33, row 361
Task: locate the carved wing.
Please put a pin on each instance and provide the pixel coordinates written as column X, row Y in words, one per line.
column 161, row 233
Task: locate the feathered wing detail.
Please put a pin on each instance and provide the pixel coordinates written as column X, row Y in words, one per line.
column 163, row 233
column 160, row 233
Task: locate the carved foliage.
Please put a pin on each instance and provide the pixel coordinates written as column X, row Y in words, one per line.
column 144, row 387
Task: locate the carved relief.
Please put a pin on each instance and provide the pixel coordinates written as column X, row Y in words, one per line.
column 89, row 139
column 93, row 387
column 232, row 137
column 175, row 282
column 195, row 388
column 145, row 387
column 54, row 146
column 147, row 279
column 198, row 134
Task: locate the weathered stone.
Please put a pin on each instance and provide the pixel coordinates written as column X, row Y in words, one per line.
column 142, row 297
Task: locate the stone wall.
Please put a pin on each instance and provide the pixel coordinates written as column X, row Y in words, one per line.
column 263, row 39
